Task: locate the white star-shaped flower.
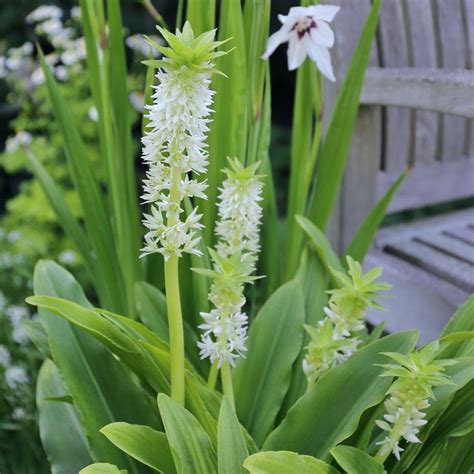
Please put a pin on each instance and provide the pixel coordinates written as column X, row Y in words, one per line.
column 307, row 32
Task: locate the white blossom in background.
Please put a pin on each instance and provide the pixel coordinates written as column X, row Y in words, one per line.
column 67, row 257
column 19, row 414
column 44, row 12
column 93, row 114
column 5, row 356
column 14, row 143
column 76, row 13
column 3, row 301
column 307, row 32
column 50, row 28
column 174, row 146
column 415, row 376
column 15, row 376
column 139, row 44
column 239, row 214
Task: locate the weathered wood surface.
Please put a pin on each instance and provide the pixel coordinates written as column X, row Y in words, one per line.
column 429, row 184
column 452, row 51
column 441, row 90
column 419, row 22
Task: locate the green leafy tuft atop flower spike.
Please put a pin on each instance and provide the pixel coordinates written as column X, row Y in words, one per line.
column 185, row 50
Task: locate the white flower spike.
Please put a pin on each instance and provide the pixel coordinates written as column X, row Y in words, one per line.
column 307, row 32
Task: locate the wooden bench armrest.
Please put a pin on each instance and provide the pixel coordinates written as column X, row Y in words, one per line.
column 440, row 90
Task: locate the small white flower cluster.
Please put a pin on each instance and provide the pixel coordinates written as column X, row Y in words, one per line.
column 18, row 141
column 225, row 327
column 335, row 339
column 17, row 314
column 240, row 212
column 402, row 420
column 174, row 147
column 414, row 375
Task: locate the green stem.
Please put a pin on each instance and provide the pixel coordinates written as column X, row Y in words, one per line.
column 227, row 383
column 173, row 302
column 175, row 321
column 211, row 381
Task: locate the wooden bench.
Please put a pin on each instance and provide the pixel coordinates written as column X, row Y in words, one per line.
column 417, row 111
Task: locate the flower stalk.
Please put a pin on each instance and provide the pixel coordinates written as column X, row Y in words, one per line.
column 174, row 149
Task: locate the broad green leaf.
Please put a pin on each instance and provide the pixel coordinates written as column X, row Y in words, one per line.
column 190, row 445
column 142, row 443
column 261, row 380
column 286, row 462
column 151, row 308
column 200, row 13
column 321, row 245
column 355, row 461
column 96, row 217
column 102, row 468
column 313, row 278
column 231, row 447
column 362, row 240
column 336, row 143
column 102, row 390
column 38, row 336
column 463, row 320
column 61, row 432
column 330, row 411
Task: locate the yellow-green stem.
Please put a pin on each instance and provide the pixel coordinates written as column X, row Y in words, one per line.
column 211, row 381
column 173, row 302
column 175, row 322
column 227, row 383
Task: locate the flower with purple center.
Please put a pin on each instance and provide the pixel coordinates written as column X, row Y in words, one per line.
column 307, row 32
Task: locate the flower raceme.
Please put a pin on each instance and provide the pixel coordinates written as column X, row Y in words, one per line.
column 307, row 32
column 235, row 257
column 335, row 339
column 416, row 375
column 175, row 147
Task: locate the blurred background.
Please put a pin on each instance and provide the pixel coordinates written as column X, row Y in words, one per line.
column 427, row 246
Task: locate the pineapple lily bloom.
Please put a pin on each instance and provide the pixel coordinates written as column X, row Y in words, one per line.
column 335, row 339
column 416, row 375
column 307, row 32
column 225, row 327
column 173, row 148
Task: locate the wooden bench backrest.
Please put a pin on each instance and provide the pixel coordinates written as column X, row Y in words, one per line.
column 422, row 59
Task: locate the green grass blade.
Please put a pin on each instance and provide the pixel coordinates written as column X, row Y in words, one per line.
column 339, row 134
column 362, row 240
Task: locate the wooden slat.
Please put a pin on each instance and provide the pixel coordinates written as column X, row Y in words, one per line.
column 444, row 266
column 440, row 90
column 453, row 55
column 468, row 14
column 422, row 41
column 450, row 222
column 429, row 184
column 464, row 234
column 364, row 157
column 449, row 246
column 393, row 48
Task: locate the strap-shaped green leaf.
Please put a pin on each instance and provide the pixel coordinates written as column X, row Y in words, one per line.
column 330, row 411
column 102, row 390
column 261, row 380
column 231, row 447
column 363, row 238
column 355, row 461
column 286, row 462
column 336, row 144
column 102, row 468
column 190, row 445
column 143, row 443
column 321, row 245
column 61, row 432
